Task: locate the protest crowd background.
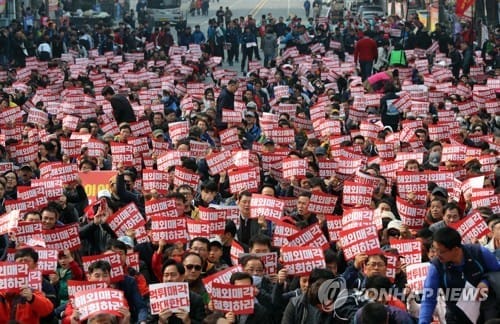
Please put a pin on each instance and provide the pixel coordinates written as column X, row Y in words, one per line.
column 143, row 182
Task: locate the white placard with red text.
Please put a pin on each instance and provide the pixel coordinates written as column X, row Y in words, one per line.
column 173, row 296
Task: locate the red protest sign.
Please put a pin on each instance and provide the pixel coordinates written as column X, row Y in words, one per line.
column 219, row 162
column 127, row 218
column 235, row 252
column 326, row 167
column 416, row 274
column 310, row 236
column 198, row 228
column 414, row 183
column 25, row 153
column 392, row 264
column 411, row 215
column 62, row 238
column 222, row 276
column 75, row 286
column 65, row 172
column 267, row 206
column 282, row 231
column 356, row 217
column 216, row 219
column 270, row 261
column 322, row 203
column 8, row 222
column 471, row 227
column 230, row 298
column 359, row 240
column 334, row 225
column 122, row 154
column 169, row 229
column 282, row 136
column 155, row 179
column 71, row 148
column 185, row 176
column 356, row 194
column 112, row 258
column 242, row 179
column 164, row 208
column 26, row 231
column 95, row 181
column 173, row 296
column 52, row 189
column 301, row 260
column 409, row 248
column 294, row 168
column 47, row 260
column 14, row 276
column 93, row 302
column 231, row 116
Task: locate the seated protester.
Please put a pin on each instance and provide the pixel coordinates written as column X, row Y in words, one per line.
column 435, row 211
column 434, row 156
column 283, row 290
column 494, row 244
column 364, row 267
column 306, row 307
column 249, row 227
column 188, row 194
column 227, row 240
column 124, row 318
column 208, row 194
column 377, row 290
column 101, row 271
column 121, row 248
column 96, row 233
column 50, row 216
column 215, row 254
column 68, row 269
column 26, row 306
column 377, row 312
column 259, row 315
column 302, row 216
column 201, row 246
column 68, row 212
column 456, row 266
column 452, row 213
column 175, row 272
column 193, row 264
column 123, row 192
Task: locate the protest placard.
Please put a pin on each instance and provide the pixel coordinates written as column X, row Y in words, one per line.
column 301, row 260
column 410, row 249
column 471, row 227
column 310, row 236
column 172, row 230
column 359, row 240
column 173, row 296
column 102, row 300
column 236, row 299
column 269, row 207
column 113, row 258
column 62, row 238
column 416, row 274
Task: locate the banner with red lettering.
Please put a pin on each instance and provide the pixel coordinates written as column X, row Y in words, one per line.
column 14, row 276
column 95, row 181
column 222, row 276
column 215, row 218
column 172, row 230
column 461, row 7
column 231, row 116
column 416, row 274
column 62, row 238
column 282, row 231
column 322, row 203
column 270, row 261
column 310, row 236
column 359, row 217
column 25, row 153
column 122, row 154
column 301, row 260
column 359, row 240
column 410, row 249
column 357, row 194
column 219, row 162
column 392, row 264
column 173, row 296
column 471, row 227
column 269, row 207
column 235, row 252
column 412, row 183
column 113, row 258
column 93, row 302
column 47, row 260
column 231, row 298
column 155, row 180
column 242, row 179
column 294, row 168
column 75, row 286
column 185, row 176
column 412, row 216
column 27, row 231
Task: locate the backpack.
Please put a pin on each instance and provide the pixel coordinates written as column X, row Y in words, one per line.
column 397, row 58
column 346, row 305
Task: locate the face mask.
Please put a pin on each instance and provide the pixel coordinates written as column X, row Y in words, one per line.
column 257, row 281
column 434, row 158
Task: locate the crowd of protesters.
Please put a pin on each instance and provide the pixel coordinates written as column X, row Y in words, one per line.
column 376, row 98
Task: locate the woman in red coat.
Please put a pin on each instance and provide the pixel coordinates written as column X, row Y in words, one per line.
column 28, row 306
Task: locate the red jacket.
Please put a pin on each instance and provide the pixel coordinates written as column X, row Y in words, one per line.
column 365, row 50
column 26, row 312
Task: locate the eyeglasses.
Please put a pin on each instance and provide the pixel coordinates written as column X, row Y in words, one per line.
column 190, row 267
column 252, row 270
column 376, row 264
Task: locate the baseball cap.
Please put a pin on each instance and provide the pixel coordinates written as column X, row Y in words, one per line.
column 216, row 241
column 268, row 141
column 440, row 191
column 127, row 240
column 395, row 224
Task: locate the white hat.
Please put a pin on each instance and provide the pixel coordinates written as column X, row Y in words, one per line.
column 395, row 224
column 387, row 214
column 104, row 193
column 127, row 240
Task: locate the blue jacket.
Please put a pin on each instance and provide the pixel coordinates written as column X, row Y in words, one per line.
column 138, row 308
column 472, row 269
column 198, row 37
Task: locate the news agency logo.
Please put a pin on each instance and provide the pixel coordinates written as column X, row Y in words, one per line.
column 332, row 294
